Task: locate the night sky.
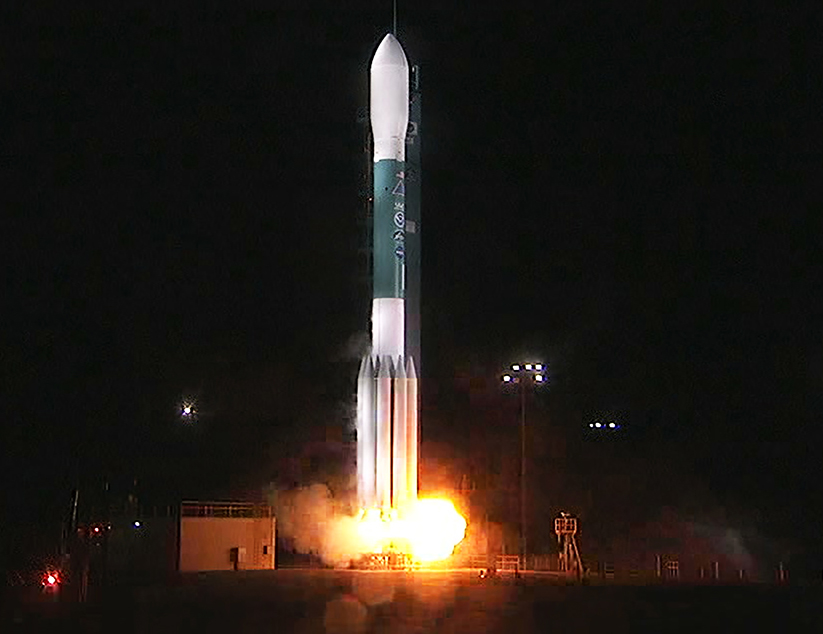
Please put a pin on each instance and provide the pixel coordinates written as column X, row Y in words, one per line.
column 631, row 196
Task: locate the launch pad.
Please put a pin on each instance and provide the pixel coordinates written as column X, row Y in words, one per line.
column 387, row 561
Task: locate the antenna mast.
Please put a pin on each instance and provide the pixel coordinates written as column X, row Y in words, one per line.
column 394, row 18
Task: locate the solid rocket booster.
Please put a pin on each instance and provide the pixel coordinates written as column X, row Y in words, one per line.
column 366, row 454
column 399, row 486
column 384, row 430
column 411, row 430
column 387, row 383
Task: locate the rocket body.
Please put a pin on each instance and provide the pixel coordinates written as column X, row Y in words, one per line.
column 387, row 419
column 389, row 114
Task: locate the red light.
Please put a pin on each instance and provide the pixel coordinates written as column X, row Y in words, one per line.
column 96, row 529
column 51, row 579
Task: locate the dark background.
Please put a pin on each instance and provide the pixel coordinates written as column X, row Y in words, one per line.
column 627, row 196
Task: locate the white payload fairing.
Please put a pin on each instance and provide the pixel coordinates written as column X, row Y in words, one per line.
column 387, row 387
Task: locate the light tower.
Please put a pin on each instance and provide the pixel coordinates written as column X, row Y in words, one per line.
column 522, row 375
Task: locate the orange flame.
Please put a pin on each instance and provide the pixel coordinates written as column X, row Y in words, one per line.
column 429, row 531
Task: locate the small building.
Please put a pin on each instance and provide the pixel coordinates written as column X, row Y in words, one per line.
column 194, row 537
column 226, row 536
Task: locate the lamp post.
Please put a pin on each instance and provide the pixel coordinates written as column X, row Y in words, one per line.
column 521, row 374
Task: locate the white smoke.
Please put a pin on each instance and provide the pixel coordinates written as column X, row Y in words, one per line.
column 318, row 524
column 355, row 347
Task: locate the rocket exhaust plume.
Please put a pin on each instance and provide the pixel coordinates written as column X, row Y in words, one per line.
column 387, row 386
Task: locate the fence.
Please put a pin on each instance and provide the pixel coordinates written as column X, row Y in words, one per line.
column 666, row 570
column 542, row 563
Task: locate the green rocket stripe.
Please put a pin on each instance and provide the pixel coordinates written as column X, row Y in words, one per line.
column 389, row 228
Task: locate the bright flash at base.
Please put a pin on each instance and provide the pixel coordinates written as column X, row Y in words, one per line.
column 429, row 532
column 435, row 528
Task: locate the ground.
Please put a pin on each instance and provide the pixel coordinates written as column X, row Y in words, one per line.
column 325, row 601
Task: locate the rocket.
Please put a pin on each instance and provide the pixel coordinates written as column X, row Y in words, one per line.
column 387, row 385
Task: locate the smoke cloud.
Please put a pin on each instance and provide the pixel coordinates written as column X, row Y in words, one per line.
column 318, row 524
column 355, row 347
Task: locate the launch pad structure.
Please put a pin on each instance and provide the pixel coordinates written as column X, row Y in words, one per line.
column 565, row 527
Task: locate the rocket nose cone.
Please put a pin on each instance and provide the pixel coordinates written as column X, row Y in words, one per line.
column 389, row 53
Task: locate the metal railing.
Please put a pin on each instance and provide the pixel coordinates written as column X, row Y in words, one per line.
column 508, row 563
column 225, row 509
column 670, row 570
